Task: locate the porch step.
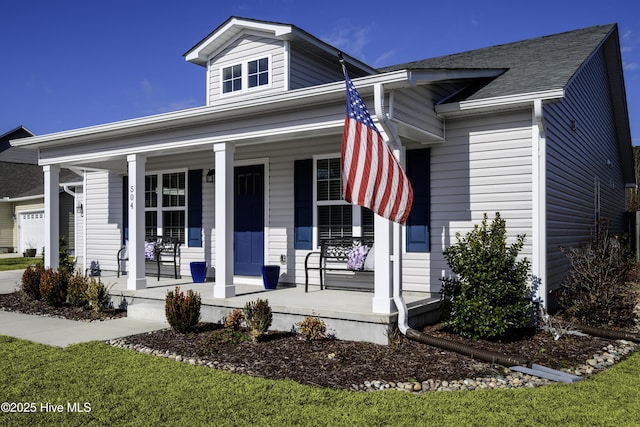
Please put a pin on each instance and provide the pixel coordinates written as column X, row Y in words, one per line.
column 148, row 310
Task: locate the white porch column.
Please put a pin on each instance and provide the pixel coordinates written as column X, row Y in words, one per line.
column 51, row 215
column 224, row 287
column 136, row 279
column 383, row 273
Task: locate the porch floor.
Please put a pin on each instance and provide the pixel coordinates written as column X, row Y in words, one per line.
column 346, row 313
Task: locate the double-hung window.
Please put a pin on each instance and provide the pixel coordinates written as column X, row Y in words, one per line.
column 247, row 75
column 165, row 205
column 335, row 217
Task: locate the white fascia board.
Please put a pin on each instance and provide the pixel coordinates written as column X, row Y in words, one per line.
column 245, row 107
column 511, row 101
column 201, row 52
column 240, row 138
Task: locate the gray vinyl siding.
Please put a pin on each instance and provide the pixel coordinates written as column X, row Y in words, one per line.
column 576, row 161
column 306, row 70
column 241, row 50
column 484, row 166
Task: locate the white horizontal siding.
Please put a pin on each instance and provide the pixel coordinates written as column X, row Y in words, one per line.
column 247, row 48
column 103, row 218
column 79, row 229
column 577, row 161
column 483, row 166
column 307, row 70
column 414, row 106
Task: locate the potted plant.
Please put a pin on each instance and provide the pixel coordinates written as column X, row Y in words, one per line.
column 30, row 252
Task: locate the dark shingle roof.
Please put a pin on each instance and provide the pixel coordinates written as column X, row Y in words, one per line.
column 23, row 180
column 19, row 132
column 539, row 64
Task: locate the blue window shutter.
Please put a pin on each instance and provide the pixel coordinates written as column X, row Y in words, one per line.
column 125, row 209
column 303, row 204
column 418, row 172
column 194, row 234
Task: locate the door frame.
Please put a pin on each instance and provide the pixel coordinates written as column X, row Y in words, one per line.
column 264, row 161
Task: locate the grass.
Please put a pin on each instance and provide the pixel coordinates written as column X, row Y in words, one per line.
column 19, row 263
column 128, row 388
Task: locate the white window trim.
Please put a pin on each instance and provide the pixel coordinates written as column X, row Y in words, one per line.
column 245, row 76
column 159, row 208
column 356, row 211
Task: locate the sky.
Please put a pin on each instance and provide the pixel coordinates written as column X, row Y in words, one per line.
column 70, row 64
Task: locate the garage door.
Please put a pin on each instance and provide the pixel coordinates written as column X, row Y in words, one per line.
column 31, row 231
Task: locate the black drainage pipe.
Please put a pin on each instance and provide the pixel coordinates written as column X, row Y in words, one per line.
column 608, row 333
column 474, row 353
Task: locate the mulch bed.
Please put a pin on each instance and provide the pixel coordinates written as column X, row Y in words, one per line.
column 16, row 302
column 340, row 364
column 336, row 363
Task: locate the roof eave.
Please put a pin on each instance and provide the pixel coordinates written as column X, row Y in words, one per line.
column 284, row 101
column 477, row 106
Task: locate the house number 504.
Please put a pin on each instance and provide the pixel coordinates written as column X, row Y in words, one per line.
column 131, row 196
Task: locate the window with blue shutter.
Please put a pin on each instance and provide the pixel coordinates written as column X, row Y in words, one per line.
column 194, row 233
column 303, row 204
column 417, row 226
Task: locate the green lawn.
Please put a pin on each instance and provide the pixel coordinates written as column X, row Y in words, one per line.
column 17, row 263
column 122, row 387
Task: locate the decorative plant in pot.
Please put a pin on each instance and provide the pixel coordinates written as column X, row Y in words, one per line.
column 30, row 252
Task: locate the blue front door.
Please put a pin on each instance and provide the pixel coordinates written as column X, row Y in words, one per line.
column 248, row 237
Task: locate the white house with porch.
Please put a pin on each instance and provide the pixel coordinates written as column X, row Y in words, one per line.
column 531, row 129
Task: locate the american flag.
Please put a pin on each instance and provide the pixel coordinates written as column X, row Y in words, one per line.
column 371, row 174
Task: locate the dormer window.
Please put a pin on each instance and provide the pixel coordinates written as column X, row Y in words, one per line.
column 232, row 78
column 258, row 72
column 249, row 75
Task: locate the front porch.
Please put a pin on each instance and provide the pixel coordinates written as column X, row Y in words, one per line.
column 347, row 314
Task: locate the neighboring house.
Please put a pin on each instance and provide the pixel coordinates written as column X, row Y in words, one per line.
column 22, row 222
column 537, row 130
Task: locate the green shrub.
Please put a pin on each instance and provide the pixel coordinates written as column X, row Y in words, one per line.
column 234, row 320
column 77, row 290
column 65, row 262
column 488, row 296
column 596, row 291
column 98, row 294
column 312, row 328
column 53, row 287
column 182, row 311
column 258, row 317
column 31, row 282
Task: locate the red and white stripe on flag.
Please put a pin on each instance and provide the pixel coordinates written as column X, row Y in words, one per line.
column 371, row 174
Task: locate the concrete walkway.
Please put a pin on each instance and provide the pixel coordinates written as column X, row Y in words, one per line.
column 62, row 332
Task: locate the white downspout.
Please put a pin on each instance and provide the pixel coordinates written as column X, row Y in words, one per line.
column 539, row 272
column 392, row 136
